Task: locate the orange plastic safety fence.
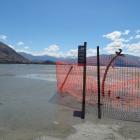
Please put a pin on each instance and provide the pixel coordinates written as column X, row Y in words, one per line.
column 121, row 86
column 70, row 80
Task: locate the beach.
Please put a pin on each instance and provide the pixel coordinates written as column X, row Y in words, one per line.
column 31, row 109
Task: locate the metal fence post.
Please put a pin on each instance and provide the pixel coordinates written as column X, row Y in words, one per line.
column 98, row 79
column 84, row 85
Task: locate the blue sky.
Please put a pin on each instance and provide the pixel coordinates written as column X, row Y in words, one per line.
column 57, row 27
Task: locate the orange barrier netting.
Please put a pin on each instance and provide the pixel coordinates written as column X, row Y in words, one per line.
column 74, row 80
column 120, row 90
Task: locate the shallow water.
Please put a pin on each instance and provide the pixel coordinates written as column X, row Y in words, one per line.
column 26, row 109
column 31, row 109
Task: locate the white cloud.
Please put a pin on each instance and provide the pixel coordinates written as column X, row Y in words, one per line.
column 126, row 32
column 117, row 41
column 91, row 52
column 137, row 36
column 71, row 53
column 113, row 46
column 117, row 36
column 123, row 40
column 52, row 48
column 113, row 36
column 3, row 37
column 133, row 48
column 26, row 47
column 20, row 47
column 23, row 49
column 130, row 38
column 54, row 51
column 20, row 43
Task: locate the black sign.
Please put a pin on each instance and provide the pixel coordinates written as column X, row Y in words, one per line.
column 81, row 55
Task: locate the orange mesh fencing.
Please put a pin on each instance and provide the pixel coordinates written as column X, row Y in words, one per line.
column 70, row 80
column 121, row 86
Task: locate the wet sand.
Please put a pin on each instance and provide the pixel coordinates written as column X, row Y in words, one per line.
column 31, row 109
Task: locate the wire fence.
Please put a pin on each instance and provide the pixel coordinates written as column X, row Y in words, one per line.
column 120, row 85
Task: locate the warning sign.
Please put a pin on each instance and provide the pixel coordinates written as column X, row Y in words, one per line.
column 81, row 55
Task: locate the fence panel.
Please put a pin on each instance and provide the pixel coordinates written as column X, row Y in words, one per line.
column 120, row 86
column 121, row 90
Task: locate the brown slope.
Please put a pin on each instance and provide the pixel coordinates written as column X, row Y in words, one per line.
column 9, row 55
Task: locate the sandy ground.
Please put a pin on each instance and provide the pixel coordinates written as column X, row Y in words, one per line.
column 100, row 131
column 31, row 109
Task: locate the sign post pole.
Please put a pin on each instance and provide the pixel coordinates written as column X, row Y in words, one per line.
column 82, row 62
column 98, row 79
column 84, row 83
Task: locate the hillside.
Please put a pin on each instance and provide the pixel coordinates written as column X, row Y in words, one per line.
column 9, row 55
column 44, row 58
column 34, row 58
column 128, row 60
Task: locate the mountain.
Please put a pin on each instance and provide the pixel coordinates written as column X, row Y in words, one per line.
column 37, row 58
column 9, row 55
column 126, row 60
column 43, row 58
column 121, row 61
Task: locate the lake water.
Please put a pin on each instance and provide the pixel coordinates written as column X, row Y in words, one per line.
column 31, row 109
column 27, row 106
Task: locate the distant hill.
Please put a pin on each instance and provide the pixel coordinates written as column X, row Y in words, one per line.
column 126, row 60
column 34, row 58
column 9, row 55
column 43, row 58
column 129, row 60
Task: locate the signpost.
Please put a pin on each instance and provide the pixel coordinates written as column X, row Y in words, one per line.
column 82, row 55
column 82, row 62
column 98, row 79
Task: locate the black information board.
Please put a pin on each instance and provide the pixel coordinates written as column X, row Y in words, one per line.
column 81, row 55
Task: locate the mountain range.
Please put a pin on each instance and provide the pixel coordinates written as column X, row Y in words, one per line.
column 37, row 58
column 120, row 61
column 9, row 55
column 43, row 58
